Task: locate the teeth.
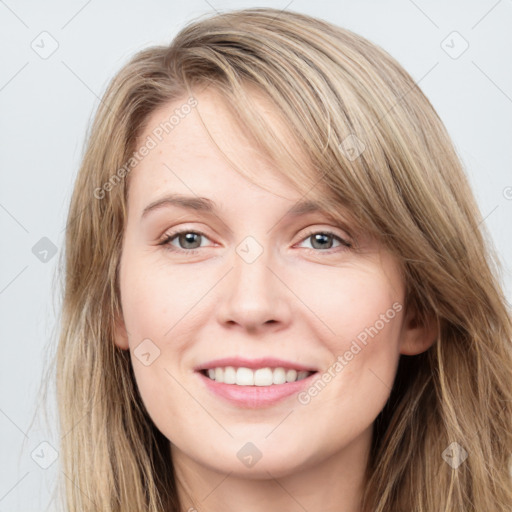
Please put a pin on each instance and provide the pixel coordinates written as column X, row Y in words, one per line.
column 260, row 377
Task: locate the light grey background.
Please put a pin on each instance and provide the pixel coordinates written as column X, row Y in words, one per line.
column 46, row 105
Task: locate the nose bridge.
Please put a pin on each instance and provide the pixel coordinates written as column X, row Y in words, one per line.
column 253, row 295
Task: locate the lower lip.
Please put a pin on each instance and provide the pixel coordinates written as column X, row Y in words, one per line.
column 253, row 397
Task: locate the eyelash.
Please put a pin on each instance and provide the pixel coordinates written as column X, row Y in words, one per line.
column 170, row 236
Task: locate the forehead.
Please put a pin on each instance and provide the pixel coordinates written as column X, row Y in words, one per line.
column 216, row 113
column 206, row 143
column 203, row 153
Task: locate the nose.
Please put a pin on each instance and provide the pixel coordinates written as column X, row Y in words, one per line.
column 253, row 296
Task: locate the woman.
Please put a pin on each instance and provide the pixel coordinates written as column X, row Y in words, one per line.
column 366, row 371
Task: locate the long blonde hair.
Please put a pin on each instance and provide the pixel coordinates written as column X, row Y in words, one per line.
column 378, row 147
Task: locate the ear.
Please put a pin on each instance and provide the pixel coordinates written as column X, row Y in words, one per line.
column 417, row 336
column 120, row 333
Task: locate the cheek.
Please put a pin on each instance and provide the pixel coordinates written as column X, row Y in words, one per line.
column 153, row 301
column 361, row 311
column 357, row 302
column 157, row 313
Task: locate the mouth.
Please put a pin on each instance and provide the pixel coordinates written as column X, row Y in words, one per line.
column 254, row 384
column 262, row 377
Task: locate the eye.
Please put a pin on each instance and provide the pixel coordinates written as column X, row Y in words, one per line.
column 189, row 240
column 323, row 240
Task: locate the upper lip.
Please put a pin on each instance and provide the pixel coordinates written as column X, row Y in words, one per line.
column 264, row 362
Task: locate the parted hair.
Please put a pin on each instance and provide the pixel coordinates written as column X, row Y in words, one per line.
column 337, row 93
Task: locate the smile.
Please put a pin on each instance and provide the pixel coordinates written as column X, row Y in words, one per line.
column 254, row 388
column 242, row 376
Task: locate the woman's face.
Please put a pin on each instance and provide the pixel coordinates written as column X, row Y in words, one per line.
column 242, row 277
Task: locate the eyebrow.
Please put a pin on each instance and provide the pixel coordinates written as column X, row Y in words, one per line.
column 189, row 202
column 203, row 204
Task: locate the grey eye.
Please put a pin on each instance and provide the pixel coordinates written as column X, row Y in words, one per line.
column 189, row 239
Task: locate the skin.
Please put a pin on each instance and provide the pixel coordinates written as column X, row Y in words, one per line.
column 295, row 301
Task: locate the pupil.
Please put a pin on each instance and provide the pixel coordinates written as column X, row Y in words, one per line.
column 189, row 238
column 318, row 238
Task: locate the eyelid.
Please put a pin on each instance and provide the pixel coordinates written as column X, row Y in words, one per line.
column 169, row 235
column 345, row 242
column 340, row 233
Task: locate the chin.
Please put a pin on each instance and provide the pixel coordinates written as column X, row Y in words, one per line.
column 253, row 461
